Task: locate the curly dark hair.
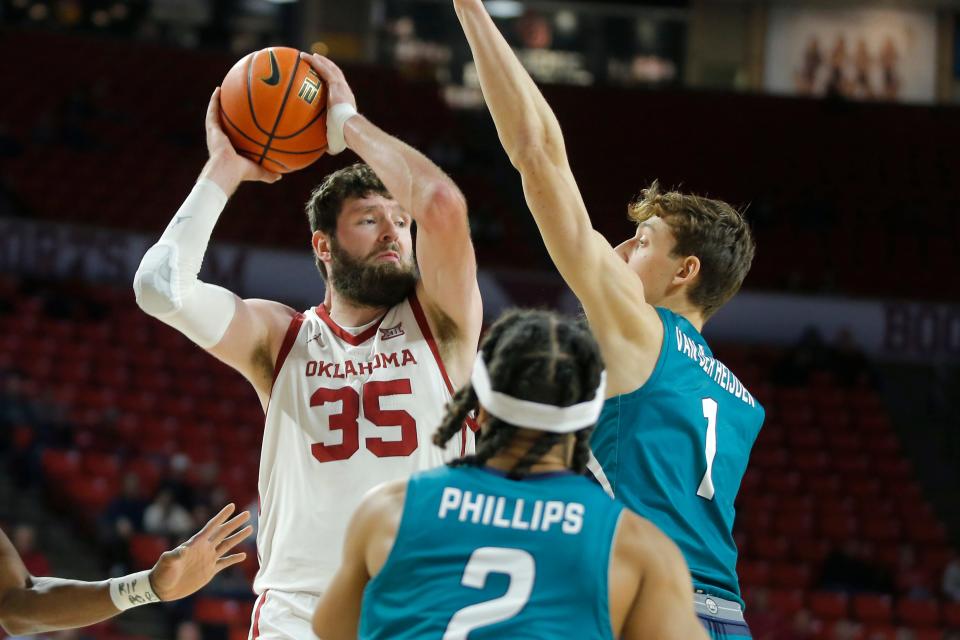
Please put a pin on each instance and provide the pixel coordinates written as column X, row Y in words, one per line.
column 326, row 201
column 537, row 356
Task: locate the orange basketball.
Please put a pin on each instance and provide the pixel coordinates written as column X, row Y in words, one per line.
column 273, row 108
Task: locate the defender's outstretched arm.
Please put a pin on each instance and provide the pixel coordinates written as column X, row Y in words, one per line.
column 31, row 605
column 628, row 328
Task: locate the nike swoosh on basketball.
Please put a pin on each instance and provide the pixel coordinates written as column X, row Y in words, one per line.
column 274, row 78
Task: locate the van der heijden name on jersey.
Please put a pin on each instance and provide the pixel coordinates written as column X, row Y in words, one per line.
column 348, row 368
column 511, row 513
column 713, row 368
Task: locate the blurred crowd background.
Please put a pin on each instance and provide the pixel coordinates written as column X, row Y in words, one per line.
column 835, row 125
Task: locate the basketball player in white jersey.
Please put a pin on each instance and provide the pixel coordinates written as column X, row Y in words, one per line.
column 353, row 388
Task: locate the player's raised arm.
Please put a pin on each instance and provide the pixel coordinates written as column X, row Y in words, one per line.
column 245, row 334
column 445, row 254
column 629, row 331
column 31, row 605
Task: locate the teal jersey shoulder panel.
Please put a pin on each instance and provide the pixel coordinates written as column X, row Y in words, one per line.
column 472, row 543
column 652, row 446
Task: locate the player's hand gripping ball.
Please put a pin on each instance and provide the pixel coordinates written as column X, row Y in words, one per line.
column 273, row 108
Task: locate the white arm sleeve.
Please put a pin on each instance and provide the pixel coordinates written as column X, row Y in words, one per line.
column 166, row 283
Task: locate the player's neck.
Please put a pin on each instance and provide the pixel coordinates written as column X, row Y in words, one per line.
column 679, row 304
column 556, row 459
column 346, row 313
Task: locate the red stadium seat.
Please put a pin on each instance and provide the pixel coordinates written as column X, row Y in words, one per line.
column 883, row 530
column 879, row 632
column 145, row 549
column 828, row 605
column 790, row 576
column 935, row 559
column 872, row 608
column 59, row 464
column 91, row 494
column 786, row 601
column 882, row 445
column 811, row 462
column 754, row 574
column 840, row 630
column 770, row 547
column 927, row 634
column 842, row 441
column 783, row 483
column 951, row 614
column 103, row 465
column 774, row 459
column 755, row 521
column 239, row 631
column 792, row 523
column 864, row 489
column 918, row 613
column 824, row 485
column 838, row 528
column 805, row 439
column 926, row 532
column 810, row 550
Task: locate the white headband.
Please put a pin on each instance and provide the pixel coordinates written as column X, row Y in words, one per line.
column 534, row 415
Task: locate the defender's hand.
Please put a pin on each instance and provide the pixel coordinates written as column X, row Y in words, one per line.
column 189, row 567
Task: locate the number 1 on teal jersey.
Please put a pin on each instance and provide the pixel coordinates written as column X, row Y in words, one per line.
column 710, row 413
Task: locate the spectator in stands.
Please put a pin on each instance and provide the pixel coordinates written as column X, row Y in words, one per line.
column 10, row 147
column 765, row 622
column 809, row 354
column 912, row 579
column 166, row 517
column 802, row 627
column 129, row 506
column 951, row 580
column 848, row 630
column 176, row 482
column 848, row 361
column 24, row 541
column 122, row 518
column 188, row 630
column 849, row 570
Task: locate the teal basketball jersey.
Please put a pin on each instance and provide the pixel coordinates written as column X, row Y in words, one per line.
column 675, row 451
column 478, row 556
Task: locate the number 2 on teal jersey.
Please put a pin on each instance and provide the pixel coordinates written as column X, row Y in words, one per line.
column 516, row 563
column 710, row 413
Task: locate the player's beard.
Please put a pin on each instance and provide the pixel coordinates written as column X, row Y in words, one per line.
column 371, row 284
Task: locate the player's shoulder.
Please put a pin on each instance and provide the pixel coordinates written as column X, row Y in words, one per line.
column 276, row 314
column 382, row 504
column 641, row 541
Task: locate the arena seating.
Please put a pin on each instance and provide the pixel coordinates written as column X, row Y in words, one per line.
column 121, row 153
column 826, row 472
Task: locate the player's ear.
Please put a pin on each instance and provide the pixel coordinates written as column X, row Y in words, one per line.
column 482, row 417
column 321, row 246
column 688, row 269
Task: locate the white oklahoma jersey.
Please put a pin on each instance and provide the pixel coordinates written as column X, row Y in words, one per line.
column 349, row 409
